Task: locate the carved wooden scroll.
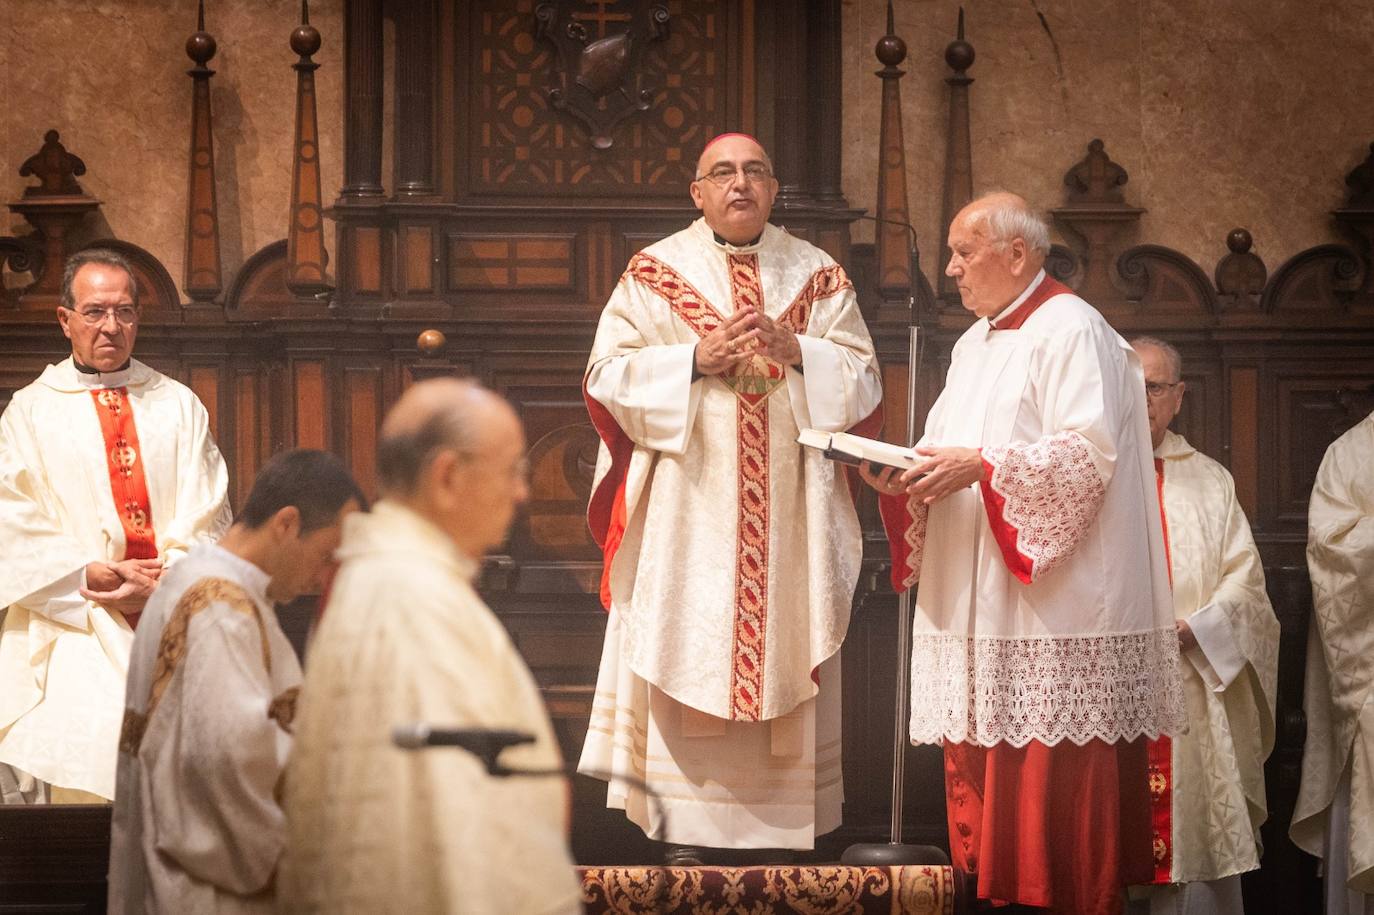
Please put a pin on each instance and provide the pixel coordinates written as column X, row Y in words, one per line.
column 55, row 206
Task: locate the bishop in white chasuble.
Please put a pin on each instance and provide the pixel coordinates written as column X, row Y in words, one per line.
column 94, row 466
column 731, row 554
column 1336, row 801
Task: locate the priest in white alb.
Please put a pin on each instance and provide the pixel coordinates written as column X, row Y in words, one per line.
column 730, row 554
column 212, row 689
column 1043, row 646
column 108, row 474
column 1335, row 808
column 1207, row 793
column 404, row 640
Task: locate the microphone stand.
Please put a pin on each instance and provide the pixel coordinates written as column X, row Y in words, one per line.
column 894, row 852
column 496, row 769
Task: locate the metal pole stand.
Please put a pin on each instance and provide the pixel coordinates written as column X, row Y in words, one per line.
column 894, row 853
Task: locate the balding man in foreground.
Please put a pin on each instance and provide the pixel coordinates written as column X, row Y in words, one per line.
column 406, row 639
column 1043, row 647
column 731, row 555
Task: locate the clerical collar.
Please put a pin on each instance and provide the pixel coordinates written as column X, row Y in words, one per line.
column 94, row 379
column 1008, row 318
column 730, row 244
column 85, row 369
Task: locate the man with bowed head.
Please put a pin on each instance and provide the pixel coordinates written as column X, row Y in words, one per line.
column 211, row 697
column 731, row 554
column 108, row 474
column 1043, row 642
column 406, row 639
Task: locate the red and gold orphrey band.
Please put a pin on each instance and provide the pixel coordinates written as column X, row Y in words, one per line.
column 127, row 482
column 751, row 567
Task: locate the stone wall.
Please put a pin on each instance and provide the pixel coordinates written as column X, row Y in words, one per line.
column 110, row 77
column 1226, row 113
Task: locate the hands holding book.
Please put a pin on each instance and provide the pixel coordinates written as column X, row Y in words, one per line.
column 946, row 470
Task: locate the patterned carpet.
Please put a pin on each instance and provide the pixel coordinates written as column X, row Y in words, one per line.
column 816, row 890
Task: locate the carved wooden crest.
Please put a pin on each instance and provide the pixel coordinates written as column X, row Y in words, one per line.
column 600, row 44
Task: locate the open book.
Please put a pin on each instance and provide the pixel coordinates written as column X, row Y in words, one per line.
column 855, row 449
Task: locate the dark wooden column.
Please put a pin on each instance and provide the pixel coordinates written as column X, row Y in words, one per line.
column 363, row 75
column 958, row 156
column 202, row 268
column 893, row 238
column 826, row 107
column 414, row 138
column 305, row 254
column 790, row 111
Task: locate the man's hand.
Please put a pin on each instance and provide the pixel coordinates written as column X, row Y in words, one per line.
column 122, row 587
column 885, row 480
column 729, row 344
column 777, row 342
column 1186, row 640
column 949, row 470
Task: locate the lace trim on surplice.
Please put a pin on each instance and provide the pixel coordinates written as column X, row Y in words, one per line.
column 1076, row 688
column 1041, row 499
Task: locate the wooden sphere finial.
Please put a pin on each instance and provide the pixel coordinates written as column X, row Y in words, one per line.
column 431, row 342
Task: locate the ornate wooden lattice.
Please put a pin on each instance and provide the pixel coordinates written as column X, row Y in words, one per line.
column 518, row 144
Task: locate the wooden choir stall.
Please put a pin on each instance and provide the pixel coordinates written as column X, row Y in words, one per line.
column 534, row 149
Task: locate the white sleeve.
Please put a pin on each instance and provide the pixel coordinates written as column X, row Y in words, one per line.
column 650, row 393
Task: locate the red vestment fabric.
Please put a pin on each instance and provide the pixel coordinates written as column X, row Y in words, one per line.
column 1065, row 828
column 128, row 485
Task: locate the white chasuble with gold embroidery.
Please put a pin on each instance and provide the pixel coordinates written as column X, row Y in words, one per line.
column 731, row 552
column 1207, row 787
column 207, row 729
column 1043, row 611
column 1336, row 801
column 100, row 467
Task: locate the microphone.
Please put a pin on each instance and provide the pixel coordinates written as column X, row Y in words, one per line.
column 484, row 743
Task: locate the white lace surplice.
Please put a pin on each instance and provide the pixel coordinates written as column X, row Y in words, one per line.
column 1047, row 617
column 60, row 706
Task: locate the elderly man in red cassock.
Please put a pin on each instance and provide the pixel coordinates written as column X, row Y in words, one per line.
column 1043, row 646
column 731, row 555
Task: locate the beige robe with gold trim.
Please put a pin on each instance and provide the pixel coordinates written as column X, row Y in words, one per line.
column 373, row 828
column 211, row 694
column 1229, row 679
column 1339, row 692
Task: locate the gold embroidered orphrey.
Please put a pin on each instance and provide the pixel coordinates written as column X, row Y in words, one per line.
column 171, row 651
column 752, row 381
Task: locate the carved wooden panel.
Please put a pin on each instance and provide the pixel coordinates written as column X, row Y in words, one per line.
column 489, row 262
column 1307, row 418
column 517, row 145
